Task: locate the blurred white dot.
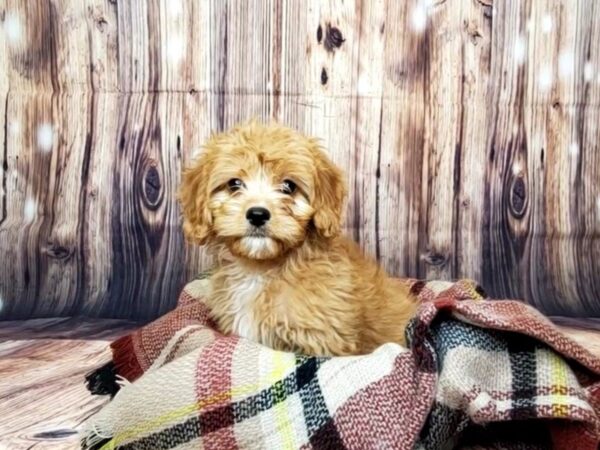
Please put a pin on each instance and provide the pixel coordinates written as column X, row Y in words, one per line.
column 566, row 64
column 363, row 85
column 588, row 71
column 547, row 24
column 175, row 8
column 419, row 17
column 175, row 48
column 545, row 78
column 574, row 149
column 13, row 29
column 45, row 137
column 520, row 50
column 14, row 128
column 516, row 168
column 29, row 210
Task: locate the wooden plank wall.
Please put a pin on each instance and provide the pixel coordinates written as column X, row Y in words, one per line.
column 468, row 130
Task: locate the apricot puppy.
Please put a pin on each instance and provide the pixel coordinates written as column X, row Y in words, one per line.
column 268, row 202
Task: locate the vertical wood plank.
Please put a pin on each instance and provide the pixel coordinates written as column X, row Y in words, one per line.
column 43, row 215
column 147, row 254
column 443, row 118
column 97, row 186
column 470, row 156
column 403, row 131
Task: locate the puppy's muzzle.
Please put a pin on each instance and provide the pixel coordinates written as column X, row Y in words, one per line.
column 258, row 216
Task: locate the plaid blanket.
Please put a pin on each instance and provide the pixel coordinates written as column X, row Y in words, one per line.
column 477, row 374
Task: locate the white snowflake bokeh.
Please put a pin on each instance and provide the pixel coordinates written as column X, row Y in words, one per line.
column 175, row 49
column 13, row 29
column 574, row 149
column 520, row 50
column 588, row 71
column 175, row 8
column 418, row 17
column 566, row 64
column 517, row 168
column 547, row 24
column 45, row 137
column 545, row 78
column 29, row 210
column 363, row 84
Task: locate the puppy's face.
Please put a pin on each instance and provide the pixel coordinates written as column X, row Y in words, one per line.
column 261, row 190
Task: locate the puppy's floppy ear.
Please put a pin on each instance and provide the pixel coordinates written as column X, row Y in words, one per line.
column 193, row 197
column 329, row 196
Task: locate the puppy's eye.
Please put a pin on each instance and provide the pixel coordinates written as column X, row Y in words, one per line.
column 235, row 184
column 288, row 187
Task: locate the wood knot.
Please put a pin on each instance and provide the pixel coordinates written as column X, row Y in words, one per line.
column 101, row 24
column 152, row 186
column 518, row 197
column 55, row 434
column 333, row 38
column 434, row 259
column 488, row 10
column 57, row 251
column 324, row 76
column 473, row 31
column 319, row 33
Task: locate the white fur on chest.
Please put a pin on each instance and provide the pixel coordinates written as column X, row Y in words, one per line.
column 244, row 292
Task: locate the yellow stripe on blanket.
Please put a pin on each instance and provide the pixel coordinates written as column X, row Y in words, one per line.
column 284, row 425
column 558, row 385
column 281, row 367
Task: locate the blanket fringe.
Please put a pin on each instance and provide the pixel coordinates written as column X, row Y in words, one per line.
column 95, row 439
column 124, row 358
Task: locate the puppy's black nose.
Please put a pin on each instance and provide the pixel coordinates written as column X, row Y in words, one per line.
column 257, row 216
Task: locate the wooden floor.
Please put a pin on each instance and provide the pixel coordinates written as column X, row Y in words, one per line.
column 43, row 364
column 42, row 368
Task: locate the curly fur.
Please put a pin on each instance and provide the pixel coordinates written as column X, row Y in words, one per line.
column 294, row 284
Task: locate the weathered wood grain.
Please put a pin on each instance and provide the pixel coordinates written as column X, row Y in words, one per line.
column 468, row 131
column 43, row 363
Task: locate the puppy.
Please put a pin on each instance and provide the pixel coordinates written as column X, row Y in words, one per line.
column 268, row 202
